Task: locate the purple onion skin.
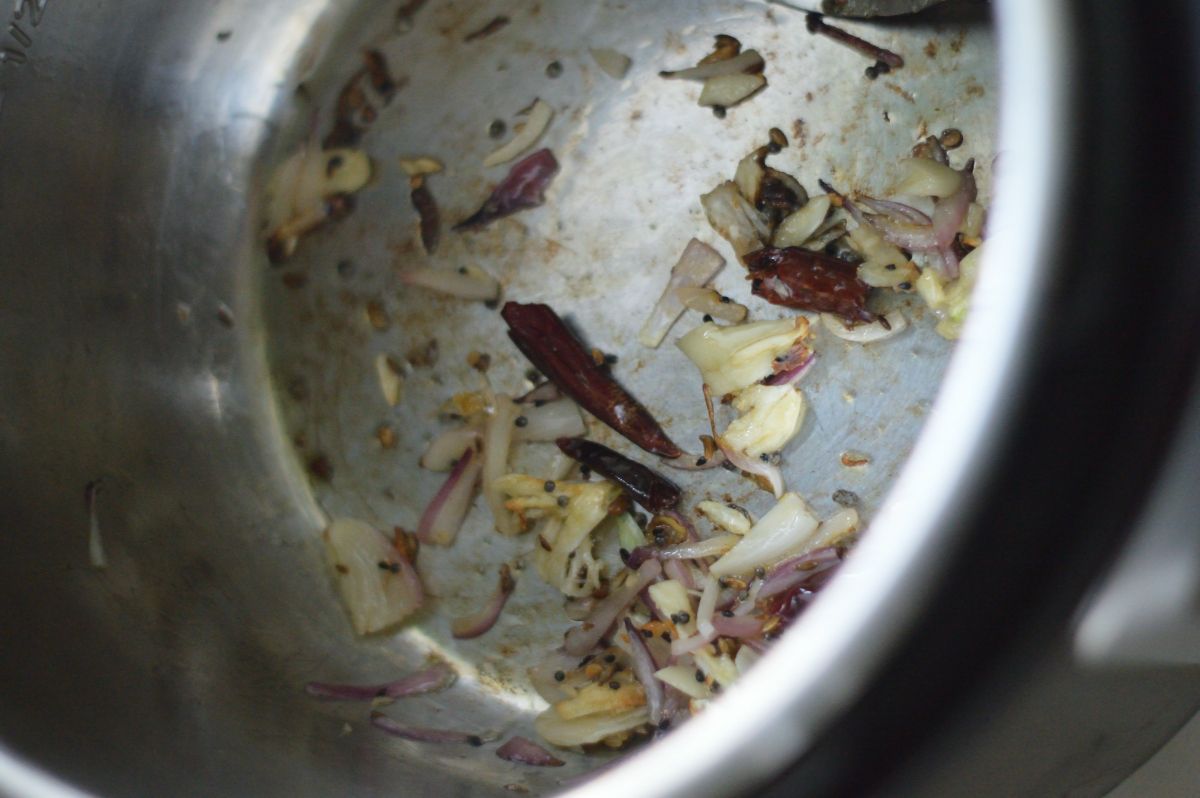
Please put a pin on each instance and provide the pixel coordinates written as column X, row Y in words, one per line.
column 523, row 188
column 813, row 280
column 791, row 603
column 526, row 752
column 549, row 345
column 647, row 487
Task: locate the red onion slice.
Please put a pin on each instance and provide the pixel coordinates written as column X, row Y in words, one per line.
column 644, row 668
column 444, row 516
column 948, row 216
column 737, row 626
column 675, row 569
column 429, row 680
column 478, row 623
column 896, row 211
column 797, row 570
column 583, row 638
column 421, row 734
column 793, row 370
column 686, row 645
column 526, row 752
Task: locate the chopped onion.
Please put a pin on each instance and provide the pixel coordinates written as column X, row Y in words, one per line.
column 583, row 638
column 694, row 550
column 737, row 626
column 708, row 604
column 673, row 604
column 735, row 219
column 763, row 471
column 391, row 381
column 466, row 282
column 731, row 358
column 421, row 734
column 540, row 114
column 719, row 667
column 695, row 267
column 588, row 729
column 743, row 62
column 879, row 274
column 746, row 658
column 749, row 175
column 926, row 178
column 877, row 330
column 949, row 215
column 551, row 421
column 913, row 237
column 781, row 532
column 826, row 235
column 725, row 517
column 683, row 679
column 444, row 516
column 437, row 677
column 643, row 669
column 798, row 569
column 897, row 211
column 972, row 226
column 447, row 448
column 800, row 225
column 729, row 90
column 712, row 303
column 545, row 392
column 689, row 645
column 497, row 441
column 612, row 63
column 771, row 415
column 474, row 625
column 379, row 586
column 526, row 752
column 797, row 364
column 679, row 571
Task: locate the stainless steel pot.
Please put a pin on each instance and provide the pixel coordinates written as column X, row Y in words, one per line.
column 148, row 345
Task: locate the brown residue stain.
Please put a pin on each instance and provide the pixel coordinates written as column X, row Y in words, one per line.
column 956, row 44
column 808, row 96
column 553, row 248
column 799, row 132
column 636, row 115
column 895, row 88
column 975, row 90
column 295, row 280
column 931, row 48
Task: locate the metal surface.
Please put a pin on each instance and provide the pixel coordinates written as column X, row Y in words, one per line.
column 150, row 346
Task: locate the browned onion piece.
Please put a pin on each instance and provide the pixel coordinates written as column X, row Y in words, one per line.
column 523, row 188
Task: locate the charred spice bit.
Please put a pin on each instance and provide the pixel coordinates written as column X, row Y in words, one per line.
column 680, row 617
column 480, row 361
column 816, row 24
column 563, row 501
column 727, row 613
column 405, row 14
column 497, row 129
column 700, row 676
column 648, row 488
column 719, row 111
column 521, row 421
column 321, row 468
column 951, row 138
column 549, row 486
column 614, row 685
column 487, row 30
column 610, row 658
column 554, row 69
column 224, row 36
column 845, row 498
column 341, row 569
column 707, row 317
column 430, row 216
column 559, row 676
column 345, row 268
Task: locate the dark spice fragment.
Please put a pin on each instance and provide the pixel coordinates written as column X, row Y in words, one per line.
column 431, row 218
column 487, row 30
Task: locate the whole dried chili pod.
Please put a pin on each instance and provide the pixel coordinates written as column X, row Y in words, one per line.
column 800, row 278
column 543, row 338
column 648, row 488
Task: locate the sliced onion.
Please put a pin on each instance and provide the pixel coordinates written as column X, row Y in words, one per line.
column 438, row 677
column 421, row 734
column 749, row 175
column 949, row 215
column 683, row 679
column 798, row 569
column 643, row 669
column 466, row 282
column 540, row 114
column 583, row 638
column 612, row 63
column 526, row 752
column 497, row 441
column 757, row 468
column 707, row 605
column 735, row 219
column 444, row 516
column 748, row 60
column 378, row 585
column 480, row 622
column 896, row 211
column 877, row 330
column 729, row 90
column 737, row 626
column 695, row 267
column 913, row 237
column 551, row 421
column 734, row 357
column 588, row 729
column 712, row 303
column 694, row 550
column 679, row 572
column 447, row 448
column 781, row 532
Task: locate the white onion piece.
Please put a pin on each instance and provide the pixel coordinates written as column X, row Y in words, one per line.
column 540, row 114
column 745, row 658
column 735, row 219
column 708, row 605
column 376, row 597
column 466, row 282
column 417, row 167
column 588, row 729
column 800, row 225
column 612, row 63
column 729, row 90
column 497, row 441
column 671, row 598
column 447, row 447
column 866, row 333
column 771, row 415
column 725, row 517
column 391, row 381
column 548, row 422
column 730, row 358
column 768, row 473
column 683, row 679
column 749, row 59
column 926, row 178
column 697, row 549
column 972, row 226
column 718, row 667
column 713, row 303
column 695, row 267
column 783, row 531
column 833, row 529
column 748, row 176
column 444, row 516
